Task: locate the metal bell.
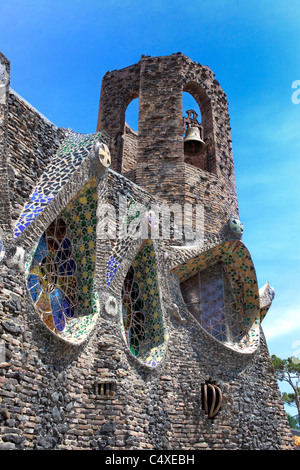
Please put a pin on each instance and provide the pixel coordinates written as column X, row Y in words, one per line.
column 193, row 144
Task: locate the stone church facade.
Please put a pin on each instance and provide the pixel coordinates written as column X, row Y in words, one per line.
column 130, row 312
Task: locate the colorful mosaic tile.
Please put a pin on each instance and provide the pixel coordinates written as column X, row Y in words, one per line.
column 143, row 325
column 132, row 214
column 72, row 152
column 61, row 272
column 239, row 268
column 111, row 271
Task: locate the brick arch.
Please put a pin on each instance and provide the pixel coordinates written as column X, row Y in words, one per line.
column 118, row 89
column 129, row 144
column 132, row 95
column 194, row 88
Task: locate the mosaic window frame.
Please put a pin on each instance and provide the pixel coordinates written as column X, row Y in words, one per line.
column 60, row 273
column 73, row 151
column 241, row 274
column 131, row 217
column 209, row 297
column 143, row 325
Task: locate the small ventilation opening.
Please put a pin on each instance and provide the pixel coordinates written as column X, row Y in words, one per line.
column 211, row 399
column 105, row 389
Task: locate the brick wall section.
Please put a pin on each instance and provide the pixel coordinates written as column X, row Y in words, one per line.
column 160, row 167
column 129, row 150
column 4, row 194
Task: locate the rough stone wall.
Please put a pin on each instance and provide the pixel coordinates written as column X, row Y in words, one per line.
column 129, row 151
column 32, row 141
column 217, row 198
column 160, row 166
column 4, row 93
column 49, row 400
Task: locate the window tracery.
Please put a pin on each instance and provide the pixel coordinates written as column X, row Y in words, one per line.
column 143, row 324
column 209, row 297
column 227, row 304
column 61, row 271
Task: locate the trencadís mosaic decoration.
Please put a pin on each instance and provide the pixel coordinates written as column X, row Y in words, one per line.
column 219, row 288
column 143, row 325
column 69, row 157
column 61, row 271
column 133, row 215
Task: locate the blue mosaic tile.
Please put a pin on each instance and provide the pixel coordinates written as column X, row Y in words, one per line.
column 69, row 157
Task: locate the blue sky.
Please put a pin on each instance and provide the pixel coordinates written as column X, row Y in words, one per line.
column 60, row 50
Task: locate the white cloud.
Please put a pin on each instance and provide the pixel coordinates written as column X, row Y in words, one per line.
column 281, row 324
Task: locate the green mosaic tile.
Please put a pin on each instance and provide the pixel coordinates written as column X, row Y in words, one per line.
column 241, row 273
column 60, row 276
column 143, row 325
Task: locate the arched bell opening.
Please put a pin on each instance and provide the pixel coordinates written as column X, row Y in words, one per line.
column 194, row 146
column 142, row 318
column 130, row 138
column 197, row 125
column 132, row 114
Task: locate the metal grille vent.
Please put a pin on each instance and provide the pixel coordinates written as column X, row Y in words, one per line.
column 212, row 399
column 105, row 389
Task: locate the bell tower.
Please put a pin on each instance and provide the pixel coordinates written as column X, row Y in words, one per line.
column 163, row 162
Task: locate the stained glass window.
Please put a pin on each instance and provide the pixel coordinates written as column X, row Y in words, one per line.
column 143, row 324
column 61, row 273
column 52, row 280
column 209, row 298
column 220, row 289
